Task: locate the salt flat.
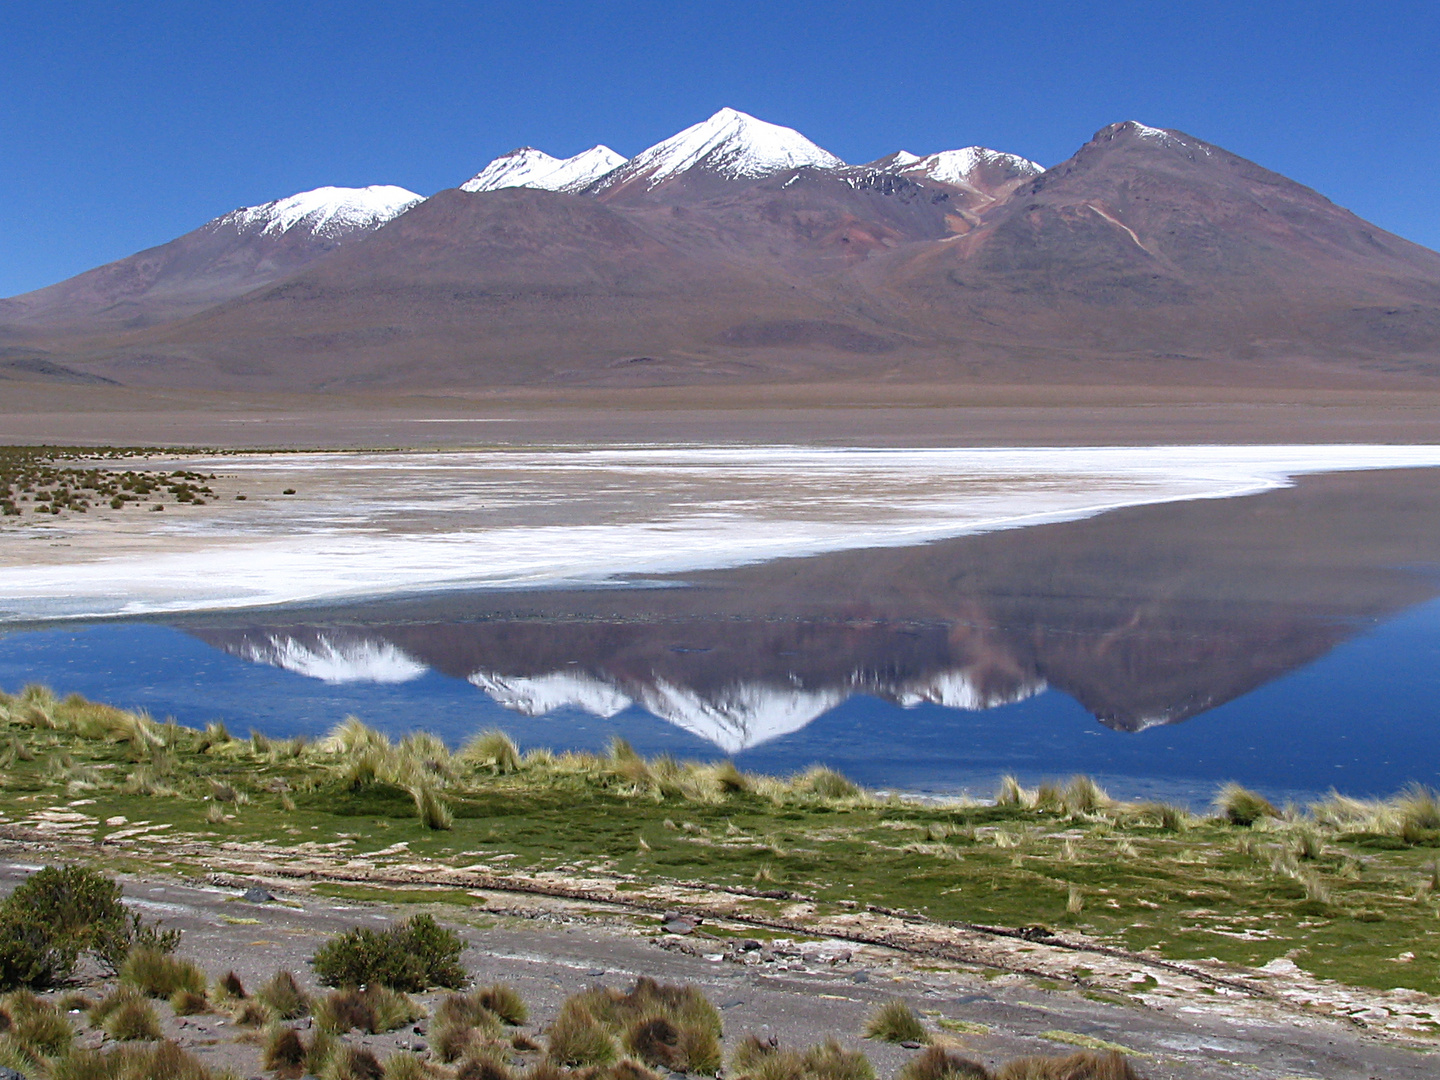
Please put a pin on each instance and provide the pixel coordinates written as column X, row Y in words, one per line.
column 373, row 524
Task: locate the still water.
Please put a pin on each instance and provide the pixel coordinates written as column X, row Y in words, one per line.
column 1288, row 640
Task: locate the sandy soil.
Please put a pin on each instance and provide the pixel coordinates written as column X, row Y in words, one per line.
column 884, row 414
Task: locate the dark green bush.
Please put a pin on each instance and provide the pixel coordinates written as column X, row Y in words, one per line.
column 413, row 956
column 62, row 912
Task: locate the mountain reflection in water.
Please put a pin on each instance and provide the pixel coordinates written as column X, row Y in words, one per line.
column 1145, row 616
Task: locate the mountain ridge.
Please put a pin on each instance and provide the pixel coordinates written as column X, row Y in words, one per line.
column 739, row 251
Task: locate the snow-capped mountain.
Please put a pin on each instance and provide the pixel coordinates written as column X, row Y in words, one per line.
column 531, row 168
column 961, row 166
column 329, row 212
column 731, row 145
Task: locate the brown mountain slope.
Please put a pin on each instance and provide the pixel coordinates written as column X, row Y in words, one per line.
column 1149, row 256
column 1150, row 241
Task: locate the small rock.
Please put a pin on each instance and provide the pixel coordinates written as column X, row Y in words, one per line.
column 860, row 977
column 597, row 973
column 10, row 1074
column 747, row 945
column 912, row 1045
column 678, row 926
column 258, row 895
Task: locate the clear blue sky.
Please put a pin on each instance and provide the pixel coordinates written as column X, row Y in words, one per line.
column 124, row 125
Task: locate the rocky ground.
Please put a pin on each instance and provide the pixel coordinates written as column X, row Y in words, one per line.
column 799, row 988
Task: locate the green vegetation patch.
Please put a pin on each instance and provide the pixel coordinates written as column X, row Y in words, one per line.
column 1349, row 888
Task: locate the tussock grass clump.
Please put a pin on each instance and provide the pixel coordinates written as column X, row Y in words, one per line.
column 430, row 807
column 1083, row 1065
column 757, row 1060
column 1241, row 806
column 896, row 1022
column 284, row 996
column 1419, row 811
column 284, row 1052
column 374, row 1010
column 36, row 1026
column 577, row 1038
column 253, row 1014
column 231, row 987
column 164, row 1061
column 939, row 1063
column 488, row 1068
column 504, row 1001
column 353, row 1063
column 133, row 1020
column 189, row 1003
column 413, row 955
column 404, row 1065
column 668, row 1027
column 493, row 750
column 826, row 783
column 159, row 975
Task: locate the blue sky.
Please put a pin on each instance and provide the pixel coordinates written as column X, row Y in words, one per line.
column 123, row 126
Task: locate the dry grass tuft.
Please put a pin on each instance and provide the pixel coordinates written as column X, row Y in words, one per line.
column 284, row 997
column 938, row 1063
column 231, row 987
column 133, row 1020
column 1084, row 1065
column 284, row 1052
column 374, row 1010
column 896, row 1022
column 353, row 1063
column 493, row 750
column 505, row 1002
column 1241, row 806
column 189, row 1003
column 161, row 975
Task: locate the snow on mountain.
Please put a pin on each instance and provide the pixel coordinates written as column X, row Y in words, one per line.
column 959, row 166
column 735, row 718
column 334, row 661
column 540, row 694
column 531, row 168
column 957, row 690
column 330, row 212
column 730, row 144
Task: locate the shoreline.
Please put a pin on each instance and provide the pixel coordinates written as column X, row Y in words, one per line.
column 346, row 528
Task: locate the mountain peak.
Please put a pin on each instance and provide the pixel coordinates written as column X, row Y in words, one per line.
column 531, row 168
column 329, row 212
column 730, row 144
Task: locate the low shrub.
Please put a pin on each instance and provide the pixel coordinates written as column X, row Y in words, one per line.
column 59, row 914
column 896, row 1022
column 414, row 956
